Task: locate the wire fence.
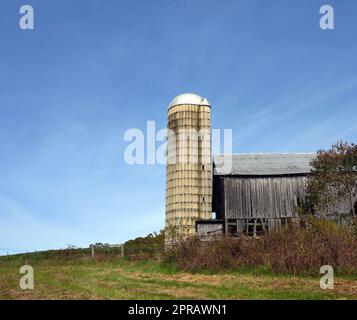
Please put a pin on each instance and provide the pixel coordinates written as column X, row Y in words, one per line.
column 93, row 253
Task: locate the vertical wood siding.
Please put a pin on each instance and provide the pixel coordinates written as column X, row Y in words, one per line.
column 257, row 197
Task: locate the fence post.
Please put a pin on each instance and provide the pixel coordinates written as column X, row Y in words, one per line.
column 122, row 251
column 92, row 251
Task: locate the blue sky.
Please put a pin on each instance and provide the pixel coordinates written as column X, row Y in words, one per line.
column 92, row 69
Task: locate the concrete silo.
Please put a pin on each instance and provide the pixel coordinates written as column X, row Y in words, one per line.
column 189, row 166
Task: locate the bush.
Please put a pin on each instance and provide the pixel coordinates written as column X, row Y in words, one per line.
column 294, row 249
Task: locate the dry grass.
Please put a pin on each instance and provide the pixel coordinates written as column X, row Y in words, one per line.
column 123, row 279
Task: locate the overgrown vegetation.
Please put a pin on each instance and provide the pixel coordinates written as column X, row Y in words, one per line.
column 151, row 246
column 239, row 269
column 294, row 249
column 152, row 239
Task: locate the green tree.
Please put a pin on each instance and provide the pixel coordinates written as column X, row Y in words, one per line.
column 333, row 180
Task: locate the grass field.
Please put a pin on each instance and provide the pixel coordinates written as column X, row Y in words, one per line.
column 84, row 278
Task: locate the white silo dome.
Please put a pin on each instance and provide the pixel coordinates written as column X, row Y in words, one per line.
column 189, row 98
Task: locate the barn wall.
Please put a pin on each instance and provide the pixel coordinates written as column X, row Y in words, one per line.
column 258, row 197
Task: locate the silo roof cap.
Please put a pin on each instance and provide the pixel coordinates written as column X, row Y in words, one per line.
column 189, row 98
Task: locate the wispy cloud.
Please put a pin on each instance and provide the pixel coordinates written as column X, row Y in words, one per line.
column 282, row 112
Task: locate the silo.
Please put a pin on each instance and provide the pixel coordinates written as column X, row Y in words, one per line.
column 189, row 166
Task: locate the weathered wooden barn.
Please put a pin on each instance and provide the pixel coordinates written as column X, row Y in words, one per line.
column 255, row 192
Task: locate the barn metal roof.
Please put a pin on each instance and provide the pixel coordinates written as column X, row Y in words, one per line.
column 260, row 164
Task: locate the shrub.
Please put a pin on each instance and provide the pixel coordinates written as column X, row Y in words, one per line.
column 293, row 249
